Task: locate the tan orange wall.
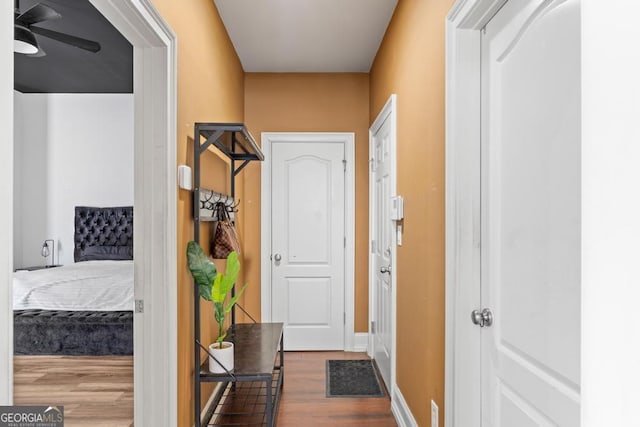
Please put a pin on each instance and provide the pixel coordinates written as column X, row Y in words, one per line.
column 294, row 102
column 210, row 89
column 410, row 63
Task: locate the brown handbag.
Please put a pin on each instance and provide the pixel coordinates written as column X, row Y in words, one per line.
column 225, row 239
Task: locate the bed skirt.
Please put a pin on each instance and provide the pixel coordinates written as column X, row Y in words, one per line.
column 76, row 333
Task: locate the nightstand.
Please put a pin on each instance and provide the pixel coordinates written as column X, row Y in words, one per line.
column 37, row 267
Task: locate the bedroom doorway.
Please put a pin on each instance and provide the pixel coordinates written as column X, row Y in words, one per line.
column 154, row 202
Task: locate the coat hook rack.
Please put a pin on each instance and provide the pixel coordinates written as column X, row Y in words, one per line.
column 209, row 199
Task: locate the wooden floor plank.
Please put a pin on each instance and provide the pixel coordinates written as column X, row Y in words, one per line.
column 304, row 401
column 95, row 390
column 98, row 391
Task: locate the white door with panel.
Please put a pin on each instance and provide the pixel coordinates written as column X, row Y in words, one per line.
column 383, row 238
column 308, row 243
column 530, row 216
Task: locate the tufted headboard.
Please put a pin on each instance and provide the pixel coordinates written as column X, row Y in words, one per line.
column 103, row 233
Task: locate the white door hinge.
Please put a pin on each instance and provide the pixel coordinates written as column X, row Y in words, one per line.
column 373, row 327
column 373, row 245
column 344, row 318
column 139, row 306
column 344, row 163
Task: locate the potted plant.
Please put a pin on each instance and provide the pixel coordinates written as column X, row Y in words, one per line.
column 215, row 287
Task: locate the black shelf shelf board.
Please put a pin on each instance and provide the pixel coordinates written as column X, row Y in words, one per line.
column 256, row 347
column 233, row 139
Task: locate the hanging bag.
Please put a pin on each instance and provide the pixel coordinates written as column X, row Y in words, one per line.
column 225, row 239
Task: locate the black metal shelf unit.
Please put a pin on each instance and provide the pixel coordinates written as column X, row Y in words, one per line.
column 234, row 141
column 250, row 394
column 258, row 375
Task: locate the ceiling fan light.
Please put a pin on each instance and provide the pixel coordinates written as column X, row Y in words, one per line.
column 24, row 41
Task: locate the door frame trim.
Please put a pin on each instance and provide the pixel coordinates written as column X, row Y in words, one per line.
column 348, row 139
column 388, row 110
column 6, row 215
column 155, row 229
column 462, row 200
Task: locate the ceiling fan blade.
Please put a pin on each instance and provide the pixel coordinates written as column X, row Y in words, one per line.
column 38, row 13
column 78, row 42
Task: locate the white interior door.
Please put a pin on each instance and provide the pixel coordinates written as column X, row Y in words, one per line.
column 383, row 241
column 308, row 243
column 530, row 215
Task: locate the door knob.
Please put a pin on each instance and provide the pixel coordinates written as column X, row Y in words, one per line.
column 277, row 257
column 482, row 318
column 385, row 269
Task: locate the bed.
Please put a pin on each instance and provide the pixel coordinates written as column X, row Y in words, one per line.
column 85, row 308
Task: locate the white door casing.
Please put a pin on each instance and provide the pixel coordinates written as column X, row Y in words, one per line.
column 530, row 214
column 307, row 238
column 382, row 237
column 6, row 194
column 155, row 230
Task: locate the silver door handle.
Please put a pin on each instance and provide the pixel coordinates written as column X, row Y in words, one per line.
column 385, row 269
column 277, row 257
column 482, row 318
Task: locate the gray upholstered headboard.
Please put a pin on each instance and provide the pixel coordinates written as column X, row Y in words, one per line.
column 103, row 233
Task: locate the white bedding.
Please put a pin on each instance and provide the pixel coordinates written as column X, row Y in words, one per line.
column 87, row 285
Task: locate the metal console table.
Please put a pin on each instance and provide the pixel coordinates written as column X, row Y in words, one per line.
column 251, row 393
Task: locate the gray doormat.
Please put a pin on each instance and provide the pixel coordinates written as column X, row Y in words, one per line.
column 353, row 378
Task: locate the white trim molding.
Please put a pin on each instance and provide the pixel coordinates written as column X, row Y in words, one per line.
column 155, row 201
column 348, row 139
column 360, row 343
column 6, row 194
column 401, row 411
column 462, row 341
column 389, row 110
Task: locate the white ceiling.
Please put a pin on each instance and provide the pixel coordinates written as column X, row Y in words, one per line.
column 306, row 35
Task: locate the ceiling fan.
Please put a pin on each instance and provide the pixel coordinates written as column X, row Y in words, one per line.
column 24, row 40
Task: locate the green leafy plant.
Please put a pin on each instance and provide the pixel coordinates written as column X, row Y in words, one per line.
column 214, row 286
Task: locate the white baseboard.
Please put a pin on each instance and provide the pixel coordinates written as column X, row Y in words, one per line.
column 360, row 342
column 400, row 409
column 207, row 406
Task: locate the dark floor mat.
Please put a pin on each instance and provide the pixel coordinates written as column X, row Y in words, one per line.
column 353, row 378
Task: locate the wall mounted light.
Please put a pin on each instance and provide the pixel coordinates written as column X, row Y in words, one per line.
column 24, row 41
column 46, row 251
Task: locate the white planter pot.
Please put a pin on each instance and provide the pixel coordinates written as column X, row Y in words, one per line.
column 224, row 355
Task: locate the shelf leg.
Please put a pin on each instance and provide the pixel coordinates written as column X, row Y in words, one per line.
column 269, row 384
column 282, row 359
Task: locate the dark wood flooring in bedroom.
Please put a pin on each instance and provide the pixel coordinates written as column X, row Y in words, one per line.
column 98, row 391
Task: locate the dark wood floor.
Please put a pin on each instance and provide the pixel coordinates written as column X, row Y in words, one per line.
column 304, row 401
column 98, row 391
